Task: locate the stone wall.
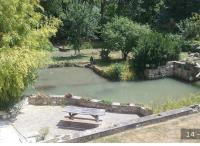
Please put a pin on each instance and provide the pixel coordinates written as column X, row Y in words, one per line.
column 178, row 69
column 92, row 103
column 185, row 71
column 97, row 70
column 160, row 72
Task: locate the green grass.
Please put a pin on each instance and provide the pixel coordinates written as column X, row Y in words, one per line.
column 174, row 104
column 183, row 55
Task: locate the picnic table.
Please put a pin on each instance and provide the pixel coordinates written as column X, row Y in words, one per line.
column 75, row 110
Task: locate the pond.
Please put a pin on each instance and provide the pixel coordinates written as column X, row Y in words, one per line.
column 84, row 82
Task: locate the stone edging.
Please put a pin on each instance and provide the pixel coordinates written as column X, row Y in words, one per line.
column 143, row 121
column 68, row 64
column 86, row 102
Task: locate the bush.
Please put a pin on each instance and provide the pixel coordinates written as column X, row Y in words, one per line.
column 190, row 28
column 119, row 72
column 127, row 73
column 86, row 45
column 114, row 72
column 190, row 31
column 17, row 71
column 122, row 34
column 24, row 34
column 156, row 49
column 191, row 46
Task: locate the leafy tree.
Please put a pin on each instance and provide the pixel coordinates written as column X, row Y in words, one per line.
column 190, row 27
column 143, row 11
column 123, row 34
column 80, row 22
column 24, row 34
column 174, row 11
column 155, row 49
column 190, row 31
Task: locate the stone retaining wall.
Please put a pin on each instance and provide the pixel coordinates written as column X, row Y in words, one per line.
column 160, row 72
column 97, row 70
column 68, row 64
column 182, row 70
column 92, row 103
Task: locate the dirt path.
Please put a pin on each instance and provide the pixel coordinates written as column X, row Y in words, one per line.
column 163, row 132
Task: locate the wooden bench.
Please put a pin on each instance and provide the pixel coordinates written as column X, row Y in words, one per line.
column 74, row 110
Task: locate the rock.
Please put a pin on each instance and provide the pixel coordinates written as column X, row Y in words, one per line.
column 76, row 97
column 116, row 103
column 95, row 100
column 68, row 95
column 131, row 104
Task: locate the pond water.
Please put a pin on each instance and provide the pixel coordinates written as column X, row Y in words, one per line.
column 84, row 82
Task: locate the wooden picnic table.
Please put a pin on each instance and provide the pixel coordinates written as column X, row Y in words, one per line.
column 74, row 110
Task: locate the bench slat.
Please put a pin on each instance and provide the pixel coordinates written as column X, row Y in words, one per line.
column 84, row 110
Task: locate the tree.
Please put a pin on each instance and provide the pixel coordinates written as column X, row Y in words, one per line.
column 80, row 20
column 24, row 37
column 143, row 11
column 155, row 49
column 173, row 11
column 190, row 31
column 123, row 34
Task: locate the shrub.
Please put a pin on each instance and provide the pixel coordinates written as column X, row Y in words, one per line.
column 191, row 46
column 86, row 45
column 127, row 73
column 190, row 28
column 24, row 35
column 156, row 49
column 17, row 71
column 122, row 34
column 104, row 54
column 114, row 72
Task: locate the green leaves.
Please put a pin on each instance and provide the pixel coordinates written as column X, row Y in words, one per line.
column 123, row 34
column 24, row 37
column 156, row 49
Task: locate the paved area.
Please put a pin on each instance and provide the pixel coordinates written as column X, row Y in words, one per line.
column 7, row 133
column 163, row 132
column 35, row 118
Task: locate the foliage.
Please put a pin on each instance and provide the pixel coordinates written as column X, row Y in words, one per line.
column 120, row 72
column 174, row 104
column 191, row 46
column 127, row 73
column 114, row 72
column 104, row 54
column 190, row 28
column 143, row 11
column 24, row 33
column 80, row 20
column 190, row 31
column 122, row 34
column 156, row 49
column 174, row 11
column 86, row 45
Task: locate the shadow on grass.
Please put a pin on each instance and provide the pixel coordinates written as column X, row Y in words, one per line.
column 67, row 58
